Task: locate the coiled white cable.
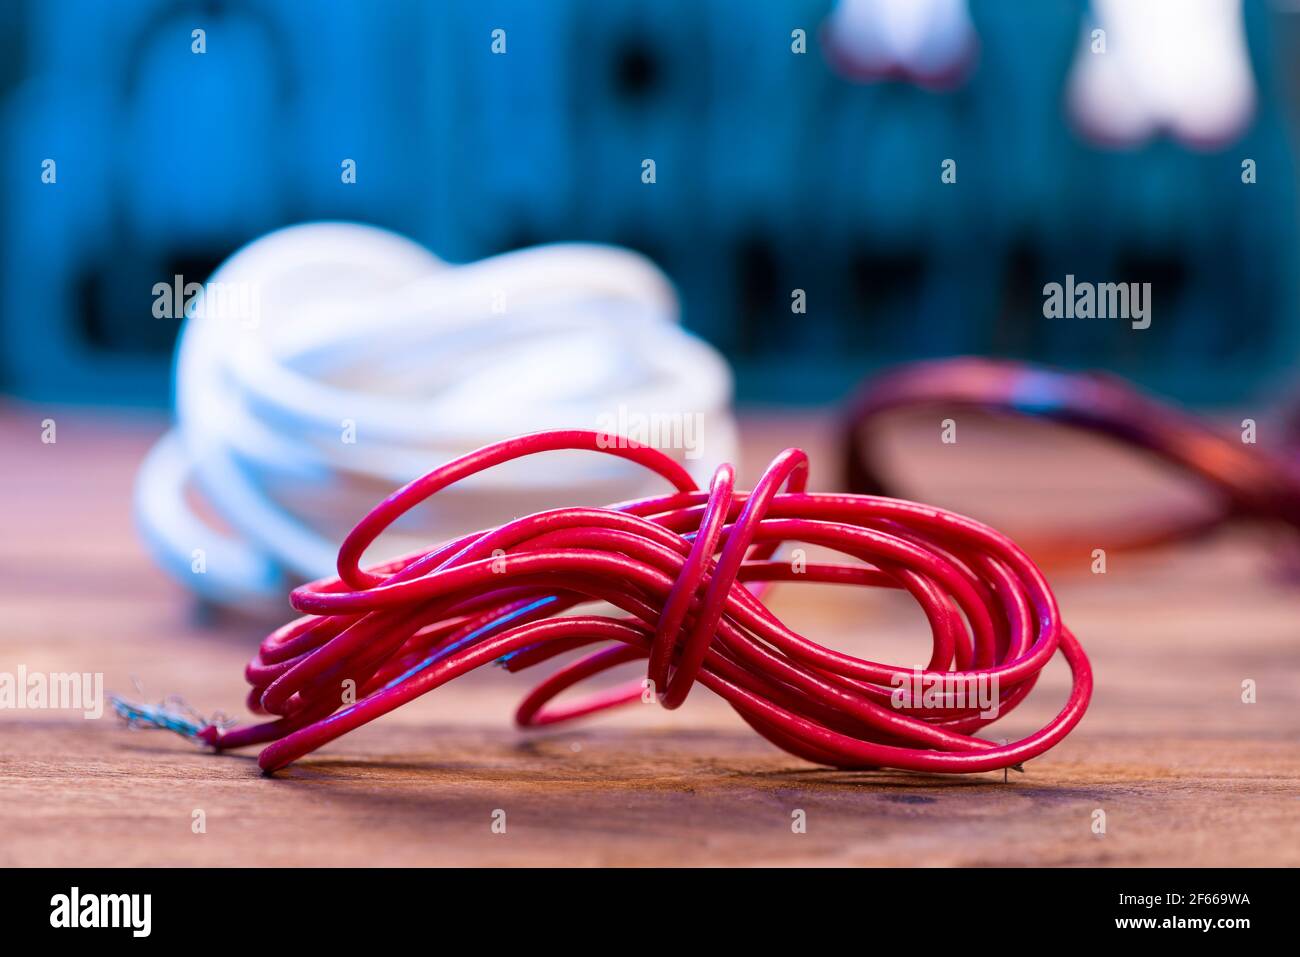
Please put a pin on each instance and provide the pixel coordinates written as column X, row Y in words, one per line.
column 324, row 365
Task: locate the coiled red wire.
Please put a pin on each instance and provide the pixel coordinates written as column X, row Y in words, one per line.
column 684, row 572
column 1241, row 481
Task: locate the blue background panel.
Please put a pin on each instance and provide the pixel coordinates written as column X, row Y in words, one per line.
column 774, row 172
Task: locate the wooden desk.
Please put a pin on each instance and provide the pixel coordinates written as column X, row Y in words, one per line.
column 1186, row 773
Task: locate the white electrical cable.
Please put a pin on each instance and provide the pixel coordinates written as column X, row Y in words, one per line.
column 324, row 365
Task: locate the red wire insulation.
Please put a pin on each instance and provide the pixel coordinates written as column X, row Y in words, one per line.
column 1241, row 481
column 684, row 572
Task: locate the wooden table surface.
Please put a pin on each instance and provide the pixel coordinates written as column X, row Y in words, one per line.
column 1186, row 773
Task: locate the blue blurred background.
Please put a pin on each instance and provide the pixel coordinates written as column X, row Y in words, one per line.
column 774, row 172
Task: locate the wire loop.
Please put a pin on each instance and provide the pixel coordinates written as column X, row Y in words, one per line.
column 1242, row 481
column 684, row 573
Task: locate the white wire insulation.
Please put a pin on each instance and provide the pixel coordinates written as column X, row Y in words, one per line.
column 324, row 365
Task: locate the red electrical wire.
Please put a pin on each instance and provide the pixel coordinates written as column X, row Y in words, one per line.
column 685, row 570
column 1242, row 481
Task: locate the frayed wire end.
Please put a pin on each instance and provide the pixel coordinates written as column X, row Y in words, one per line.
column 171, row 714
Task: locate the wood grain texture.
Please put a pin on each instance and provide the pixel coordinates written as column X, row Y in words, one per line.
column 1186, row 773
